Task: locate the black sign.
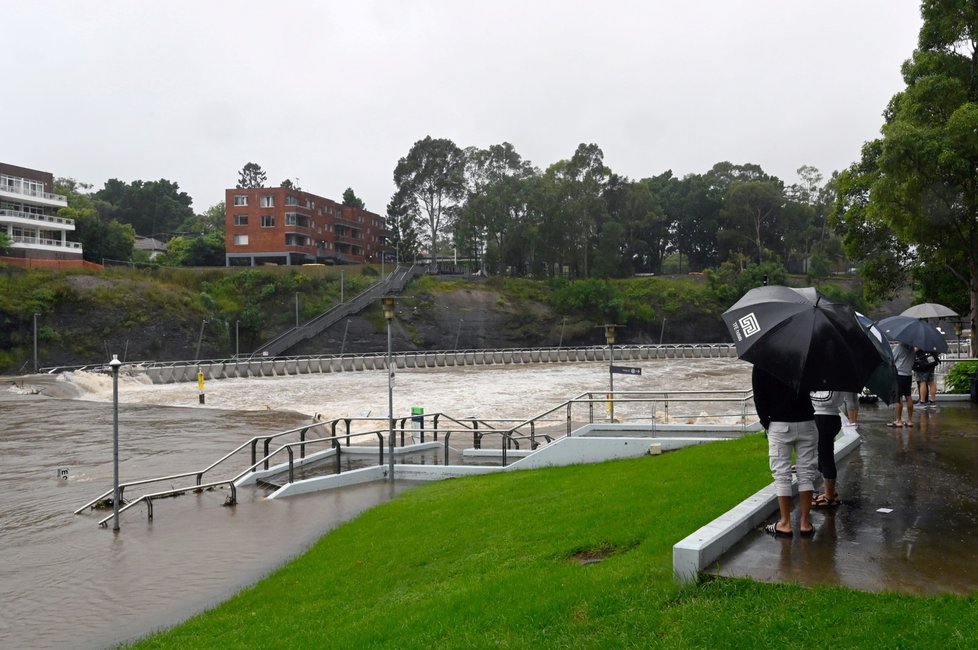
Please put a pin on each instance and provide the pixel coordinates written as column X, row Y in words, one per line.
column 625, row 370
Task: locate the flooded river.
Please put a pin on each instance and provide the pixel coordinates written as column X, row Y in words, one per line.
column 65, row 582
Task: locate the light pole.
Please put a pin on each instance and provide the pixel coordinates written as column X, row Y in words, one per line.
column 389, row 316
column 297, row 310
column 114, row 364
column 35, row 343
column 345, row 330
column 458, row 333
column 560, row 343
column 200, row 337
column 237, row 347
column 609, row 334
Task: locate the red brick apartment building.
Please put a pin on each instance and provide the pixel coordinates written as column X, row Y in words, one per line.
column 29, row 216
column 280, row 225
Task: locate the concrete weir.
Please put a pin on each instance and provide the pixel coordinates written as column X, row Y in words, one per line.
column 289, row 366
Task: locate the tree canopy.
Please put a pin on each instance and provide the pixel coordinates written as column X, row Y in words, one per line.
column 152, row 208
column 911, row 202
column 252, row 176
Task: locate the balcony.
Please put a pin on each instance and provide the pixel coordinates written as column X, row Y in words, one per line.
column 39, row 198
column 41, row 242
column 29, row 218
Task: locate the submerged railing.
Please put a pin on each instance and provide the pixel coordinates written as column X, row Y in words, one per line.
column 511, row 434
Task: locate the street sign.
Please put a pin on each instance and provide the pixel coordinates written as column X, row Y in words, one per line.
column 626, row 370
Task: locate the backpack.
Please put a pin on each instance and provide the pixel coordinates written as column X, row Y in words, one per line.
column 924, row 360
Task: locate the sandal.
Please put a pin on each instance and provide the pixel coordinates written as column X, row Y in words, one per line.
column 807, row 533
column 772, row 529
column 894, row 424
column 822, row 501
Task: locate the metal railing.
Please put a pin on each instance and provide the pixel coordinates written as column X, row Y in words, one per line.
column 512, row 433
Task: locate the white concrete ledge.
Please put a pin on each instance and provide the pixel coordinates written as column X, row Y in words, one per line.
column 701, row 549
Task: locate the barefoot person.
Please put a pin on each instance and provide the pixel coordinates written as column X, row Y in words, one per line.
column 788, row 417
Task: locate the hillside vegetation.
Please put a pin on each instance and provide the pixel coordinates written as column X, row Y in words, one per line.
column 169, row 314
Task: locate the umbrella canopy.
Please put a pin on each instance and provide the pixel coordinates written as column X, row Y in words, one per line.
column 883, row 380
column 802, row 338
column 928, row 310
column 914, row 332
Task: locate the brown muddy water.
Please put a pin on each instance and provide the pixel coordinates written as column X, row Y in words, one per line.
column 66, row 582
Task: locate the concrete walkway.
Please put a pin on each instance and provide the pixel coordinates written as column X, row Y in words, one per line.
column 910, row 518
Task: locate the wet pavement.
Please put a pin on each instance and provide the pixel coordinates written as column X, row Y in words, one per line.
column 909, row 521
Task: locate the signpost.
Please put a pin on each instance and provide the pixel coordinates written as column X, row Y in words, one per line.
column 626, row 370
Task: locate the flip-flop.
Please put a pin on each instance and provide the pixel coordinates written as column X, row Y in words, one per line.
column 821, row 501
column 894, row 424
column 772, row 529
column 807, row 533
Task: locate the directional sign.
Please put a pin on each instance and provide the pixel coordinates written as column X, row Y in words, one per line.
column 626, row 370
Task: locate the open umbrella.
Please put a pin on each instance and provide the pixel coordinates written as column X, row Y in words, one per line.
column 928, row 310
column 913, row 332
column 883, row 380
column 802, row 338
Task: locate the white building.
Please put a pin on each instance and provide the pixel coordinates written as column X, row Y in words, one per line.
column 28, row 214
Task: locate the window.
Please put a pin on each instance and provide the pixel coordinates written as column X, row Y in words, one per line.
column 240, row 199
column 296, row 219
column 241, row 240
column 290, row 200
column 241, row 220
column 268, row 201
column 267, row 221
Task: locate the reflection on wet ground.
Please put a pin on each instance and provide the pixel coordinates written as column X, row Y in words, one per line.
column 910, row 518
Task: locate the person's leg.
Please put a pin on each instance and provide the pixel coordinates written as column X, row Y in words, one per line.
column 779, row 458
column 898, row 410
column 933, row 389
column 909, row 409
column 828, row 427
column 806, row 452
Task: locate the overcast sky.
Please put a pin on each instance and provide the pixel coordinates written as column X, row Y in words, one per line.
column 332, row 94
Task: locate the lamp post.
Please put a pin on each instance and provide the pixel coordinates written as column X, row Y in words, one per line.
column 609, row 334
column 35, row 343
column 560, row 343
column 200, row 337
column 297, row 310
column 237, row 347
column 458, row 333
column 114, row 364
column 388, row 302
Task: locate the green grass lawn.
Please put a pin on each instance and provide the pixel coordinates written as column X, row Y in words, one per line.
column 502, row 560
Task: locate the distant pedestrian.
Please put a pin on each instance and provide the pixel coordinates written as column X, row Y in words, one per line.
column 828, row 406
column 788, row 417
column 924, row 365
column 903, row 360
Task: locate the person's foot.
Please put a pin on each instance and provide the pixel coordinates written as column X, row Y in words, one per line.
column 772, row 529
column 919, row 403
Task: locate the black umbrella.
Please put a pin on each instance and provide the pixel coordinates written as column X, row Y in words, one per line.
column 913, row 332
column 883, row 380
column 802, row 338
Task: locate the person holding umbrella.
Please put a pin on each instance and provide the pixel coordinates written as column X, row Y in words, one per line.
column 789, row 419
column 798, row 342
column 903, row 360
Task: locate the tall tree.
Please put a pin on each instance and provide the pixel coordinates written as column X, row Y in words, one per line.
column 925, row 186
column 401, row 233
column 430, row 180
column 102, row 238
column 252, row 176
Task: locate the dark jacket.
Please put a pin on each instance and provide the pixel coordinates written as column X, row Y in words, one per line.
column 776, row 401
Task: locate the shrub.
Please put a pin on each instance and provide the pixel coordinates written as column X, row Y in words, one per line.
column 958, row 380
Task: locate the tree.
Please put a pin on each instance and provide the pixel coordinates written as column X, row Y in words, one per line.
column 210, row 221
column 150, row 207
column 101, row 238
column 351, row 199
column 922, row 174
column 252, row 176
column 402, row 235
column 430, row 182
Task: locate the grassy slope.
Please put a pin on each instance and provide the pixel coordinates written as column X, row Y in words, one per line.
column 489, row 562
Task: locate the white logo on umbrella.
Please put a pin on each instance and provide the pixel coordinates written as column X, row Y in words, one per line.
column 749, row 325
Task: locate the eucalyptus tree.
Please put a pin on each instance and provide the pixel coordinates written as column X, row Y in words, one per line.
column 921, row 176
column 352, row 200
column 430, row 182
column 402, row 234
column 495, row 203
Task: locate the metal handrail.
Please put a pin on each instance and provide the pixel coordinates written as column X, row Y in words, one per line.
column 148, row 498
